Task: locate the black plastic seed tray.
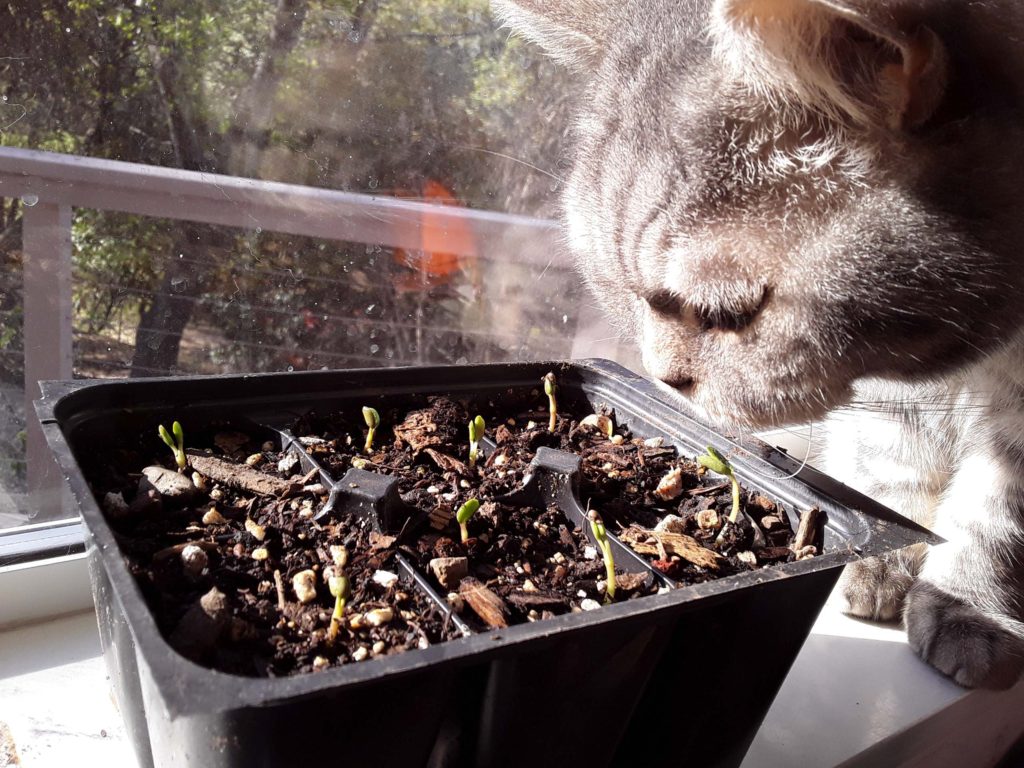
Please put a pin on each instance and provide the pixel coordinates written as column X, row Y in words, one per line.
column 683, row 677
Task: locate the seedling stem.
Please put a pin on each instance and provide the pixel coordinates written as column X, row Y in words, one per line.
column 465, row 512
column 550, row 389
column 716, row 462
column 598, row 529
column 175, row 443
column 476, row 432
column 372, row 419
column 341, row 590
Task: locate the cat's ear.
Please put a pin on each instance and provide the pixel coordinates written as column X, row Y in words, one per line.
column 875, row 62
column 570, row 30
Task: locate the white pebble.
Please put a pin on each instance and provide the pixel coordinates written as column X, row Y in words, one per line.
column 423, row 644
column 360, row 653
column 379, row 617
column 590, row 605
column 590, row 553
column 581, row 593
column 304, row 586
column 559, row 558
column 378, row 647
column 320, row 663
column 654, row 442
column 456, row 602
column 433, row 489
column 385, row 578
column 194, row 560
column 664, row 590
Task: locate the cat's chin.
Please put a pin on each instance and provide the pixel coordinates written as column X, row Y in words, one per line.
column 734, row 411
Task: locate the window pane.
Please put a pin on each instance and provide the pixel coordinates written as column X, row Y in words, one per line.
column 414, row 100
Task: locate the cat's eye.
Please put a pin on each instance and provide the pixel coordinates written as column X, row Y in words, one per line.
column 734, row 318
column 716, row 319
column 664, row 303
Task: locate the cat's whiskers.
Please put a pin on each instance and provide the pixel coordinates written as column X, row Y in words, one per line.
column 512, row 158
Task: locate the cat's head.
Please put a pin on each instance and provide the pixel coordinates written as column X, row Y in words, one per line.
column 778, row 197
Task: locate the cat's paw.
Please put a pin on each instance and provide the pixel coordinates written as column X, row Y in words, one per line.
column 960, row 641
column 874, row 589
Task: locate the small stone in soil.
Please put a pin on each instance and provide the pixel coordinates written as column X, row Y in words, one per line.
column 670, row 486
column 590, row 553
column 304, row 585
column 590, row 605
column 449, row 571
column 115, row 506
column 194, row 561
column 257, row 531
column 320, row 663
column 385, row 578
column 378, row 648
column 456, row 602
column 747, row 558
column 288, row 463
column 360, row 653
column 168, row 483
column 260, row 553
column 254, row 460
column 213, row 517
column 707, row 520
column 379, row 617
column 671, row 524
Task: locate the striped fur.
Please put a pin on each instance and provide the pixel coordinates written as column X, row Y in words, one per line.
column 811, row 208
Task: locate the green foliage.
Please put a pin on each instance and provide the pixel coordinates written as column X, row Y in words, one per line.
column 463, row 516
column 175, row 440
column 477, row 427
column 601, row 537
column 372, row 419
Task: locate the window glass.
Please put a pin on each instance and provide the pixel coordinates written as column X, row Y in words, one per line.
column 409, row 100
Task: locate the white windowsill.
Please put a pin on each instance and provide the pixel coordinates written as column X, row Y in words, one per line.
column 856, row 696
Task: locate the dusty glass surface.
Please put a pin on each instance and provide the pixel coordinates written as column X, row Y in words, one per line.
column 417, row 100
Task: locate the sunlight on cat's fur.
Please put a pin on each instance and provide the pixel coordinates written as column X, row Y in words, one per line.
column 809, row 209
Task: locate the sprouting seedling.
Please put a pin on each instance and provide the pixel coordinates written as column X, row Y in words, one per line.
column 175, row 443
column 465, row 512
column 716, row 462
column 476, row 432
column 550, row 389
column 372, row 419
column 339, row 586
column 598, row 529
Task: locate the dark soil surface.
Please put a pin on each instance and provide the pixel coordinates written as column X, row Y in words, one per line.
column 237, row 609
column 235, row 560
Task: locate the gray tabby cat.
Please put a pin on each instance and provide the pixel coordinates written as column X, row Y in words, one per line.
column 805, row 207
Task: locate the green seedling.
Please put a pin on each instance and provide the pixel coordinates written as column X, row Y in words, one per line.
column 372, row 419
column 716, row 462
column 465, row 512
column 175, row 443
column 598, row 529
column 476, row 433
column 340, row 588
column 550, row 389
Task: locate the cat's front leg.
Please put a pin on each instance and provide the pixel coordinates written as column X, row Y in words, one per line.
column 963, row 615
